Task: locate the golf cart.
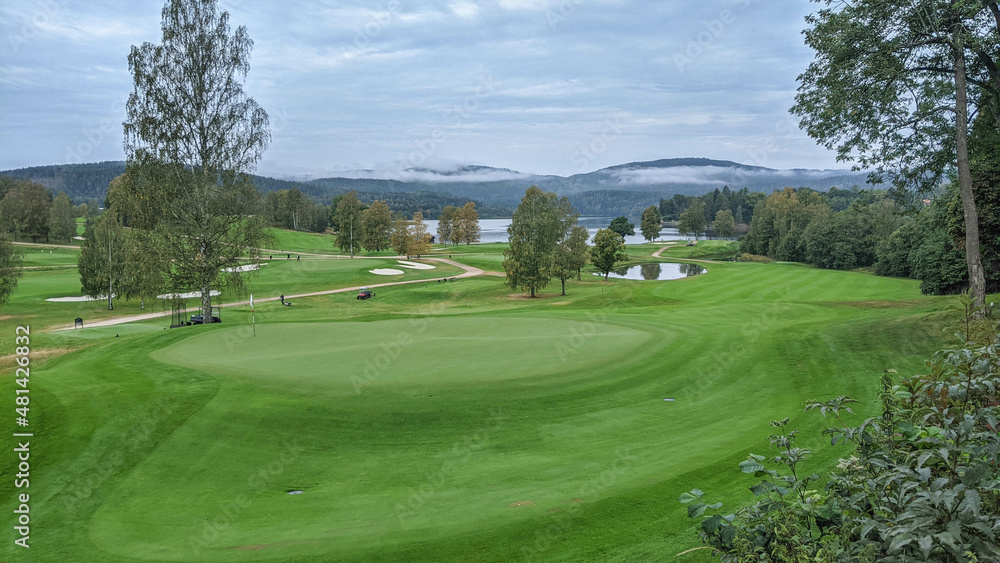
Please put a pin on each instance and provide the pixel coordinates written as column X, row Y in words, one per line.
column 200, row 319
column 365, row 293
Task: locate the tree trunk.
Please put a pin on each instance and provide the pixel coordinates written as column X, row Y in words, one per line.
column 563, row 280
column 532, row 292
column 111, row 276
column 977, row 278
column 606, row 276
column 206, row 305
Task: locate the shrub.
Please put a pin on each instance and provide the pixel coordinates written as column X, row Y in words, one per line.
column 745, row 257
column 922, row 483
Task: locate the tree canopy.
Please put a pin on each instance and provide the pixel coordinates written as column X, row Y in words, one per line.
column 608, row 249
column 893, row 86
column 348, row 221
column 539, row 223
column 10, row 268
column 571, row 255
column 651, row 223
column 192, row 139
column 622, row 226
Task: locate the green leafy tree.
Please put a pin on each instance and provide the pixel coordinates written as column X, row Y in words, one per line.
column 192, row 140
column 419, row 239
column 608, row 249
column 24, row 211
column 651, row 223
column 779, row 222
column 10, row 268
column 571, row 255
column 984, row 156
column 738, row 216
column 376, row 227
column 692, row 219
column 893, row 86
column 725, row 223
column 103, row 259
column 541, row 220
column 400, row 236
column 62, row 219
column 348, row 221
column 622, row 226
column 446, row 221
column 466, row 224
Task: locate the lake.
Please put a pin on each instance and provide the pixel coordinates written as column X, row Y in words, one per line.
column 495, row 230
column 657, row 271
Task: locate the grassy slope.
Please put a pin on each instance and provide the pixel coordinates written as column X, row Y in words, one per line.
column 153, row 438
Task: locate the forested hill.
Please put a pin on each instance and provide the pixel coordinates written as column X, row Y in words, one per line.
column 616, row 190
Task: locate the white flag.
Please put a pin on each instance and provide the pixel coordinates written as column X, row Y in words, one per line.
column 251, row 302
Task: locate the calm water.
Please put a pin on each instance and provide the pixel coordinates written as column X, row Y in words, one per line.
column 657, row 271
column 495, row 230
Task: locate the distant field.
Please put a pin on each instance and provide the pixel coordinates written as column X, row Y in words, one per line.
column 450, row 421
column 35, row 256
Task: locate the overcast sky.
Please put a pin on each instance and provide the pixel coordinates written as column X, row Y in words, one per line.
column 539, row 86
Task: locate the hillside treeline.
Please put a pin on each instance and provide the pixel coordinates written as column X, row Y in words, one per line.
column 877, row 233
column 293, row 209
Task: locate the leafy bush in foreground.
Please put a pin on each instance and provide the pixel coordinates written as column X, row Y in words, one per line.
column 921, row 485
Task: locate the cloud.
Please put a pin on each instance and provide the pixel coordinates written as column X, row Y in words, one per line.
column 708, row 175
column 361, row 82
column 439, row 175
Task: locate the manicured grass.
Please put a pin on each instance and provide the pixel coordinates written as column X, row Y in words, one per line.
column 296, row 241
column 447, row 421
column 35, row 256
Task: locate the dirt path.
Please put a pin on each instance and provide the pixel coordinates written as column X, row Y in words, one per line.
column 658, row 252
column 468, row 273
column 47, row 245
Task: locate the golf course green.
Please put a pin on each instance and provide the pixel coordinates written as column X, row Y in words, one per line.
column 446, row 421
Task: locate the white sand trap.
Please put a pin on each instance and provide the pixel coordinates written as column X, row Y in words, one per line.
column 386, row 272
column 415, row 265
column 245, row 268
column 78, row 238
column 80, row 299
column 188, row 295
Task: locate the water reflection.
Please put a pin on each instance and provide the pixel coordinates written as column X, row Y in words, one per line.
column 657, row 271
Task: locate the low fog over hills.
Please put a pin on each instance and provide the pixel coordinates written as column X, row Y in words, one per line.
column 617, row 189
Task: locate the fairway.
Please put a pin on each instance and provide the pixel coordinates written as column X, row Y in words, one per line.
column 449, row 422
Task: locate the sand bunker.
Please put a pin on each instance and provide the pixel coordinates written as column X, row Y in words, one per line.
column 84, row 298
column 415, row 265
column 245, row 268
column 80, row 299
column 386, row 272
